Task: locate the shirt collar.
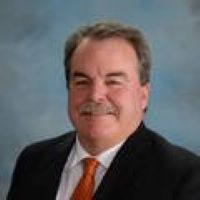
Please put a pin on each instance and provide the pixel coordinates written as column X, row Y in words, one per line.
column 105, row 158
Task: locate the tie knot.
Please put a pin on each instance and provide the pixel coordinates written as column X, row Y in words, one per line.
column 90, row 165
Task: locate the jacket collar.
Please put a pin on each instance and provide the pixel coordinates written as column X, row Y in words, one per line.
column 125, row 165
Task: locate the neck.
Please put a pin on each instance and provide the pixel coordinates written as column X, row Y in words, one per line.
column 96, row 147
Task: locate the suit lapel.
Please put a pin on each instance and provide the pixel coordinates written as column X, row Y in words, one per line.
column 127, row 163
column 52, row 167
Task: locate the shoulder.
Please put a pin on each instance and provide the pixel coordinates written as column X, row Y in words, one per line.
column 176, row 163
column 180, row 167
column 157, row 148
column 38, row 159
column 45, row 149
column 170, row 152
column 51, row 143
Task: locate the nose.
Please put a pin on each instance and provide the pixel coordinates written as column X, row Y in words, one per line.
column 98, row 91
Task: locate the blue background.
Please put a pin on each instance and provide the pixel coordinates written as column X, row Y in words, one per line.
column 32, row 87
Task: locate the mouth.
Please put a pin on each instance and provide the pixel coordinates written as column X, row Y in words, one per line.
column 96, row 114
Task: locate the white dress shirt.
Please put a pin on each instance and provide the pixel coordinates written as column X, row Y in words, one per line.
column 72, row 171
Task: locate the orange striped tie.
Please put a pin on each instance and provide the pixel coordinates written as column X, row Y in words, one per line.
column 85, row 187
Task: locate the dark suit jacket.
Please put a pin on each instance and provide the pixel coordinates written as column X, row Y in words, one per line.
column 146, row 167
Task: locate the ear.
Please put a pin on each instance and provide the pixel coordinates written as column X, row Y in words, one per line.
column 145, row 92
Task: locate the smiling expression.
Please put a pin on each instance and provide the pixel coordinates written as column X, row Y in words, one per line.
column 106, row 99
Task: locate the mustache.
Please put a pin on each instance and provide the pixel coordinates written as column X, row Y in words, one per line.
column 94, row 108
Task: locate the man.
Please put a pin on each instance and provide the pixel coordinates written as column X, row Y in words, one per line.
column 107, row 69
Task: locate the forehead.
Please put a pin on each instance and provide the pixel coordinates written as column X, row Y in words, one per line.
column 104, row 55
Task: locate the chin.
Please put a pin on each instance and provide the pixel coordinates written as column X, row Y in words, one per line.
column 99, row 132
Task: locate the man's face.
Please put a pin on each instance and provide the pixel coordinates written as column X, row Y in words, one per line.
column 106, row 100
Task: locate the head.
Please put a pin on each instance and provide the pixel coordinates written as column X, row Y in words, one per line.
column 107, row 67
column 105, row 30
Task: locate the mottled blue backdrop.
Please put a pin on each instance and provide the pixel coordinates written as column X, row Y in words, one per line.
column 32, row 87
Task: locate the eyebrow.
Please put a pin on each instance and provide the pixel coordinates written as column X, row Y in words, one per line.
column 79, row 75
column 109, row 75
column 117, row 74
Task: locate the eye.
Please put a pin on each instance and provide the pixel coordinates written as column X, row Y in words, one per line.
column 81, row 81
column 114, row 82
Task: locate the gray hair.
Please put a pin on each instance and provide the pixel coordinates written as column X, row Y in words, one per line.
column 107, row 29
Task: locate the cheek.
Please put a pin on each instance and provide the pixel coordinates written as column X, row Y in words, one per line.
column 127, row 100
column 122, row 99
column 73, row 102
column 76, row 97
